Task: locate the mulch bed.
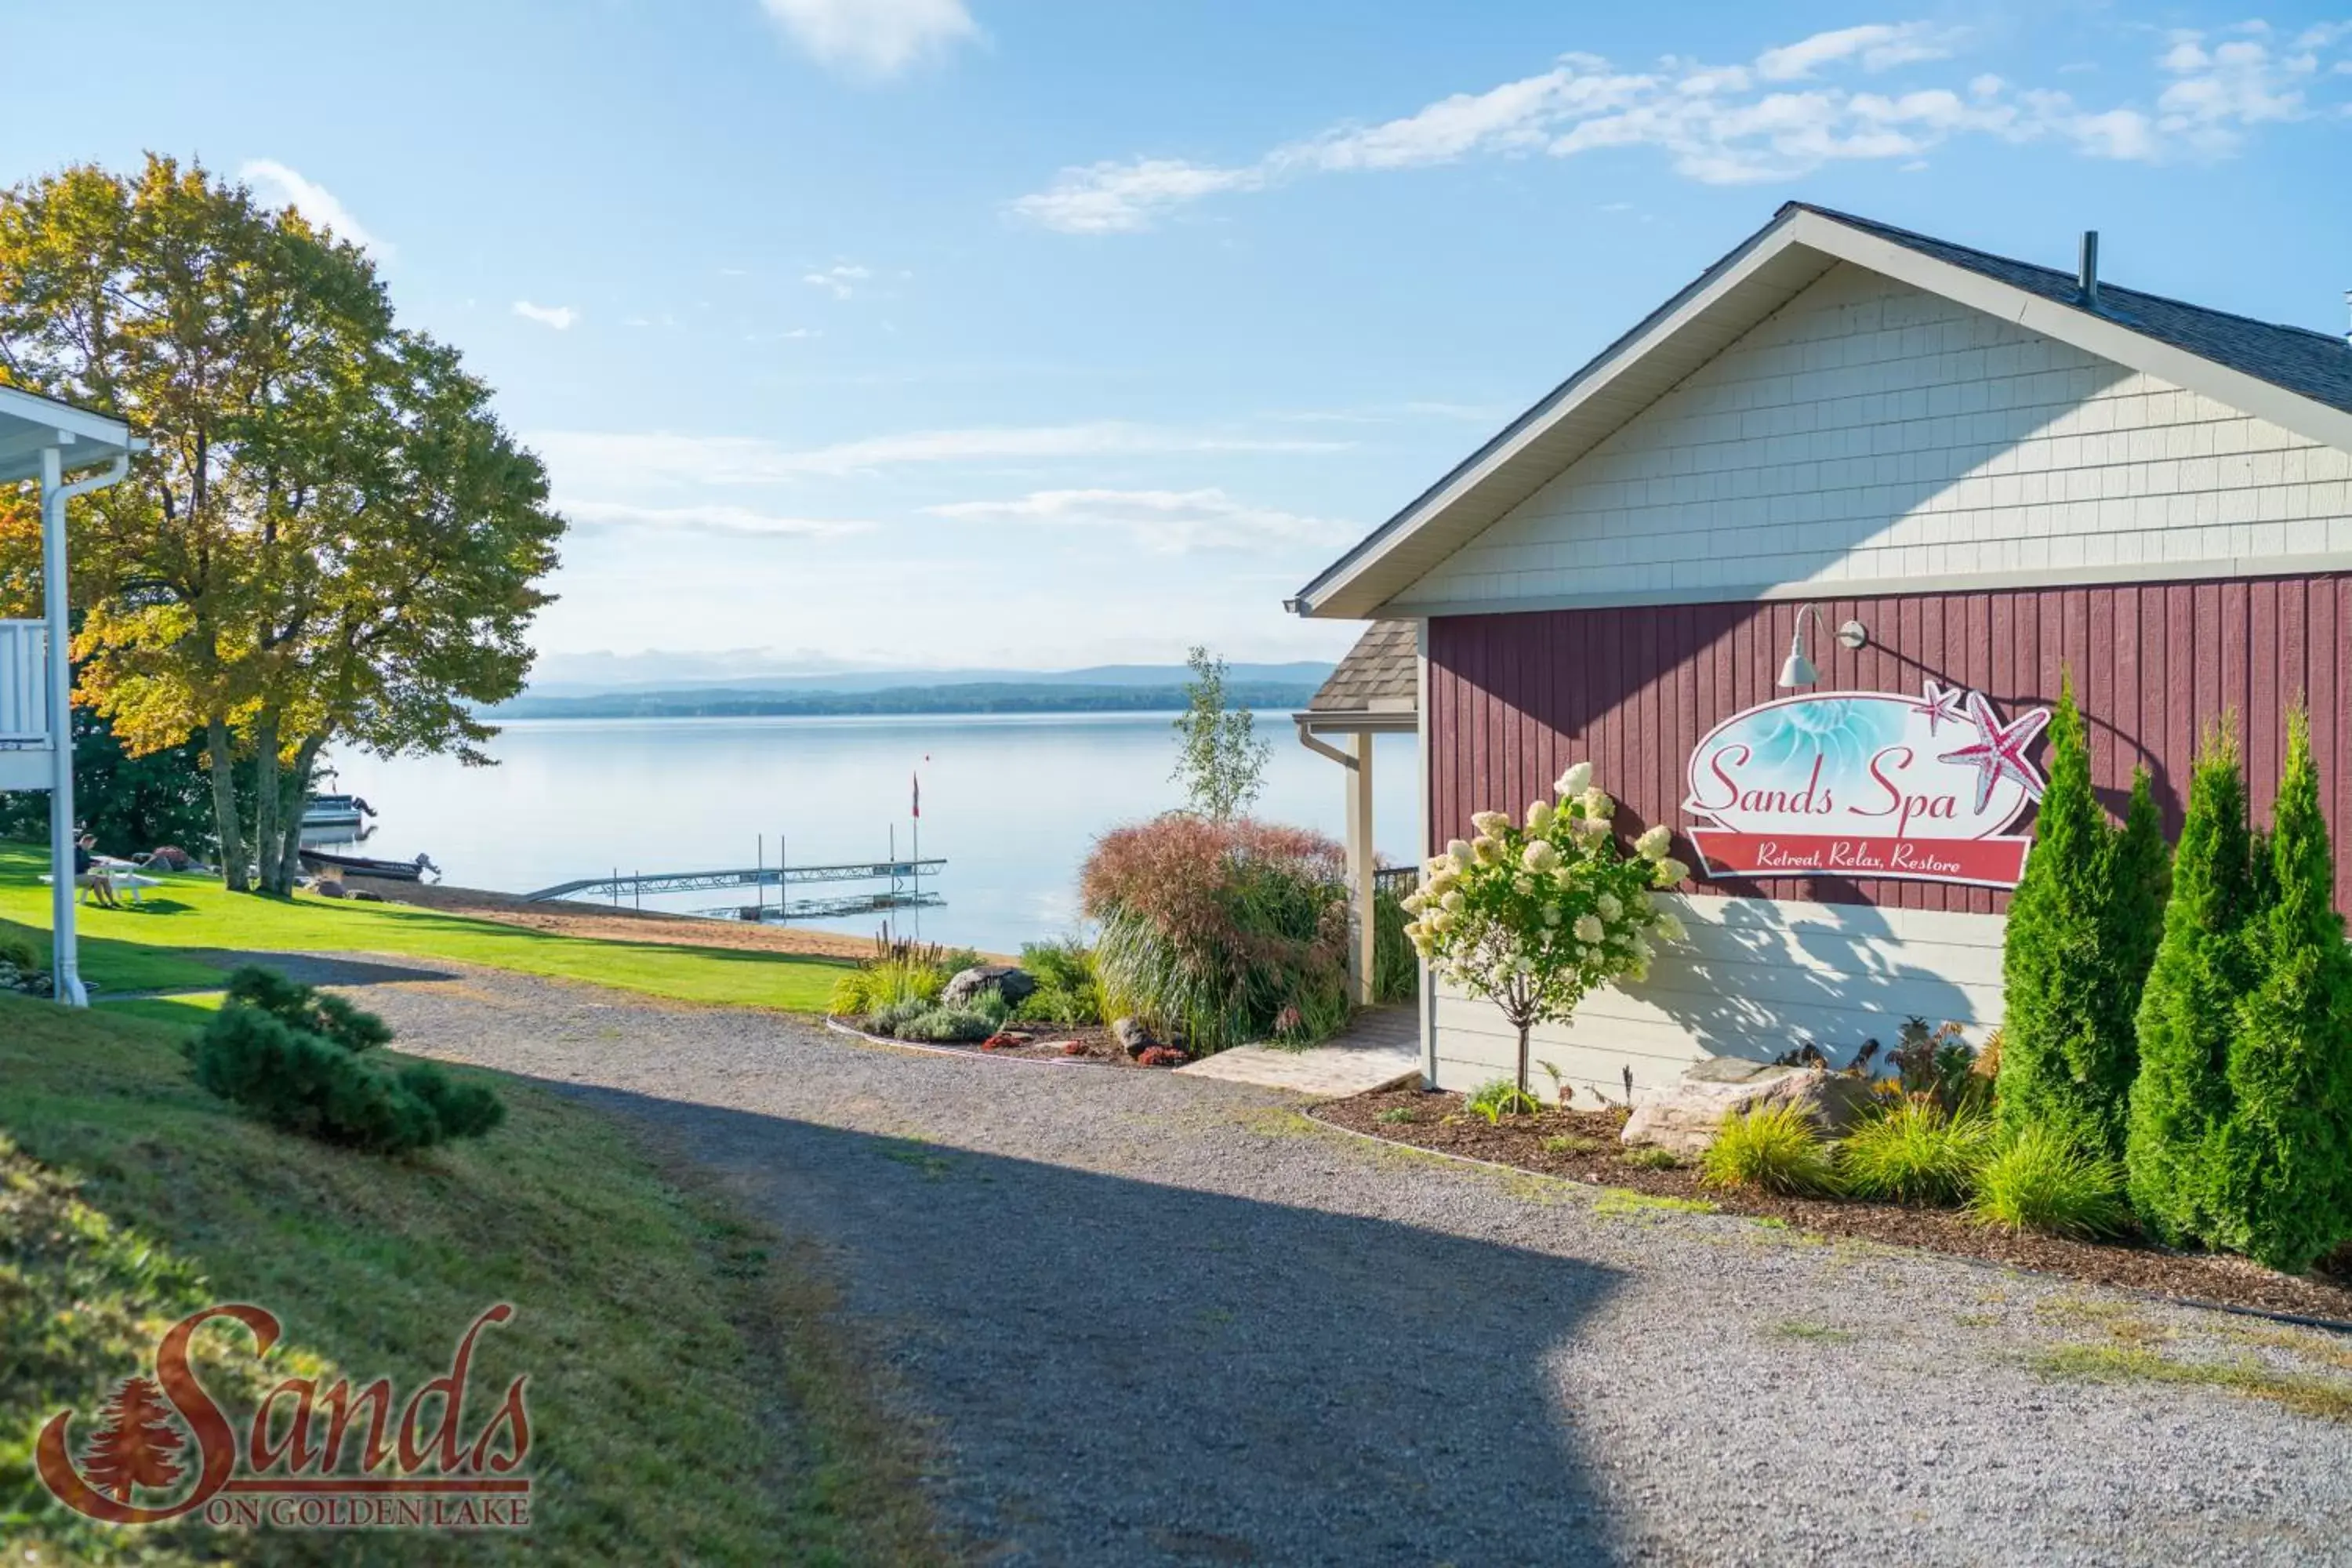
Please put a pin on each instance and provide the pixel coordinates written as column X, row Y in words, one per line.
column 1045, row 1042
column 1440, row 1123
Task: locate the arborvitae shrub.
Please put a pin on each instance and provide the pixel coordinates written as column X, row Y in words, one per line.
column 2140, row 886
column 2068, row 1054
column 2187, row 1011
column 2281, row 1166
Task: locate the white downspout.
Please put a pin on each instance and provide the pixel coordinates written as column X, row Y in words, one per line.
column 65, row 966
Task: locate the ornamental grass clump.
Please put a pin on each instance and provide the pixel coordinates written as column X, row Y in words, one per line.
column 1774, row 1149
column 1210, row 931
column 1531, row 916
column 1914, row 1151
column 2041, row 1180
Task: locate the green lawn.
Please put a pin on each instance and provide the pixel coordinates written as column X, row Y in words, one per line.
column 129, row 949
column 693, row 1395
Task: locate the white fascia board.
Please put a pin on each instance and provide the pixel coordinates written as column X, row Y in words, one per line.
column 1595, row 379
column 83, row 439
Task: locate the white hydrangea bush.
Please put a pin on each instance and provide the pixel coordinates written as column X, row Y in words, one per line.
column 1533, row 915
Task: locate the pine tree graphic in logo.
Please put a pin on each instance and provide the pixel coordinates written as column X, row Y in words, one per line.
column 135, row 1443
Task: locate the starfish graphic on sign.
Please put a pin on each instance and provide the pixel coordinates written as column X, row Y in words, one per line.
column 1942, row 705
column 2000, row 751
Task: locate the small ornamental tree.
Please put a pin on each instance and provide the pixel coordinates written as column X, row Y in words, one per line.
column 2281, row 1166
column 2067, row 1050
column 1219, row 760
column 1533, row 916
column 2186, row 1012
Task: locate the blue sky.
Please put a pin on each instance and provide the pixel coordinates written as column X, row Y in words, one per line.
column 979, row 331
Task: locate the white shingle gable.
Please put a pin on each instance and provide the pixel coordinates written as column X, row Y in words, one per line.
column 1873, row 434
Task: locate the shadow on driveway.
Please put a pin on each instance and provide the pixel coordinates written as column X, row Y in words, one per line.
column 1128, row 1373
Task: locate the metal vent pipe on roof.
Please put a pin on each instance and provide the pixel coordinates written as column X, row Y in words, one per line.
column 2090, row 271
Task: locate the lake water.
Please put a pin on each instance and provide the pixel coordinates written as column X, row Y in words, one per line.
column 1010, row 801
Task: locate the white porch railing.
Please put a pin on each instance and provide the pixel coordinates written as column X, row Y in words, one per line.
column 23, row 685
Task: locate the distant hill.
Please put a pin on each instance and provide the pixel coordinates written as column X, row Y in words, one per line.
column 1061, row 693
column 615, row 676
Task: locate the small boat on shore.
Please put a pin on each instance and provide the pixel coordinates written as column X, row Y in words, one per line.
column 336, row 813
column 319, row 861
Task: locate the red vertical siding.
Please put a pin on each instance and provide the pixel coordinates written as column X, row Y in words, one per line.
column 1513, row 699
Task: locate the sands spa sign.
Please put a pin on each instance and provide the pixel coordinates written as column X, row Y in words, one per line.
column 1865, row 783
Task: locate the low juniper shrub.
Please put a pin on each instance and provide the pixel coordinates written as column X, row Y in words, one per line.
column 299, row 1060
column 464, row 1110
column 298, row 1007
column 300, row 1083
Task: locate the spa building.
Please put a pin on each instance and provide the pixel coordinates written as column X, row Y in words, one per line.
column 1799, row 563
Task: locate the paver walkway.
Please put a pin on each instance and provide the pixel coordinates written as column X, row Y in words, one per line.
column 1381, row 1049
column 1159, row 1320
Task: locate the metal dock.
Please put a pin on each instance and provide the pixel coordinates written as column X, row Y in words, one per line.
column 903, row 888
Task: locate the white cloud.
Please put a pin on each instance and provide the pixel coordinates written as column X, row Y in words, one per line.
column 873, row 37
column 1109, row 198
column 841, row 279
column 733, row 519
column 1793, row 108
column 561, row 317
column 600, row 461
column 1879, row 46
column 1167, row 521
column 284, row 187
column 2218, row 89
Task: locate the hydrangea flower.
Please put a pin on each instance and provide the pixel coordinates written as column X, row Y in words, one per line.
column 1489, row 823
column 1540, row 855
column 1574, row 781
column 1668, row 872
column 1588, row 929
column 1653, row 845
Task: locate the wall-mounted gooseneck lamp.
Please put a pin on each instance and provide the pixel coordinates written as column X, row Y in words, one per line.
column 1798, row 670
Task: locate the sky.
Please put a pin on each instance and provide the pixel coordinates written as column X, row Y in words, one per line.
column 996, row 332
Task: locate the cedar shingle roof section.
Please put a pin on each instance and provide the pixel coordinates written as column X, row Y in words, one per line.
column 1378, row 674
column 2319, row 365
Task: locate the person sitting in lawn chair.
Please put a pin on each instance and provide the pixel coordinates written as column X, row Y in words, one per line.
column 89, row 874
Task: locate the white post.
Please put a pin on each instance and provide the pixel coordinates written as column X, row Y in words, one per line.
column 1360, row 970
column 65, row 961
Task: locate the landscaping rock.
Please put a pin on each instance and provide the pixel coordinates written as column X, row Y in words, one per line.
column 1685, row 1117
column 1134, row 1036
column 1009, row 981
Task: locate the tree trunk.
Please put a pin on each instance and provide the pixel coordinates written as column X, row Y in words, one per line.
column 296, row 793
column 222, row 760
column 1522, row 1058
column 266, row 804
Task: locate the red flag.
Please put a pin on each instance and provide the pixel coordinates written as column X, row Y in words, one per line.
column 918, row 795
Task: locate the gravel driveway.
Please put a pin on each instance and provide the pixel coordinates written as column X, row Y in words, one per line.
column 1161, row 1320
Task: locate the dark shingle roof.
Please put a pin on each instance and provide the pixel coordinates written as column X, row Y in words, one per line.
column 1380, row 671
column 2316, row 365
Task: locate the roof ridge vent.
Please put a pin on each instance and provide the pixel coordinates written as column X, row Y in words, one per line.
column 2088, row 278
